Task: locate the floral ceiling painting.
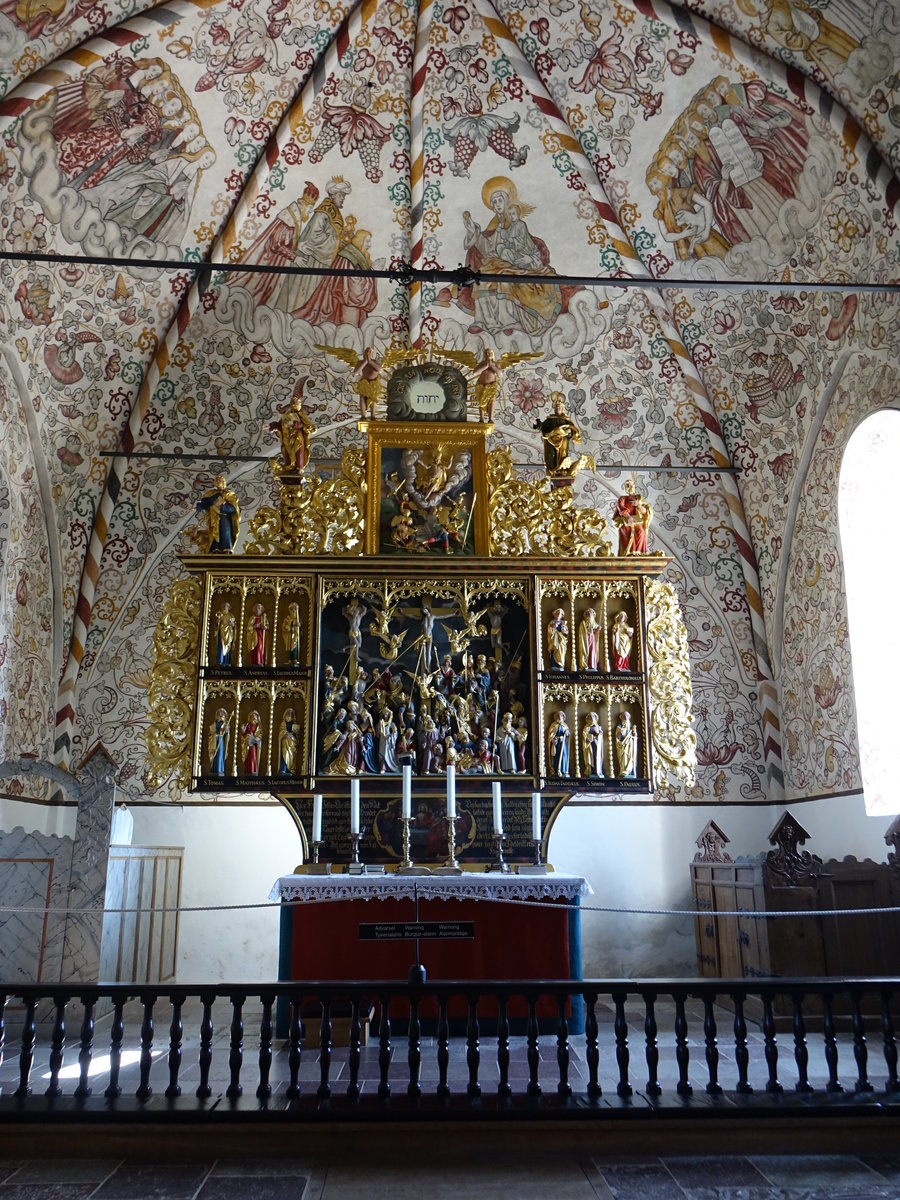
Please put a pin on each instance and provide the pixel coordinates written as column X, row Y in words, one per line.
column 751, row 143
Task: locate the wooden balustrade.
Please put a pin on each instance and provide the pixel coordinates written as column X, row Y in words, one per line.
column 702, row 1043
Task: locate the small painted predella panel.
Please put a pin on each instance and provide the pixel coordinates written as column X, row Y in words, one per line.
column 427, row 489
column 382, row 828
column 430, row 672
column 428, row 391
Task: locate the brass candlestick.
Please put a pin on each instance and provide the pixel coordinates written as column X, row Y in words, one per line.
column 451, row 866
column 315, row 867
column 407, row 866
column 500, row 864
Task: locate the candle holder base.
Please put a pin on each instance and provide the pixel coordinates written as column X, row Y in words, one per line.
column 448, row 869
column 412, row 869
column 532, row 869
column 316, row 868
column 356, row 868
column 499, row 865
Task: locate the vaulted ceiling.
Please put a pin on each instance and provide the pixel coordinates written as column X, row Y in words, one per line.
column 749, row 141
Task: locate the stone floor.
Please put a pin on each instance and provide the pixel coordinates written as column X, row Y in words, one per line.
column 532, row 1177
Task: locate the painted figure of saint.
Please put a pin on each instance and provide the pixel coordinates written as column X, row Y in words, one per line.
column 223, row 514
column 521, row 742
column 219, row 737
column 291, row 633
column 251, row 741
column 287, row 744
column 589, row 641
column 314, row 245
column 632, row 518
column 558, row 745
column 347, row 746
column 257, row 628
column 592, row 747
column 225, row 627
column 622, row 638
column 626, row 746
column 557, row 639
column 507, row 745
column 559, row 432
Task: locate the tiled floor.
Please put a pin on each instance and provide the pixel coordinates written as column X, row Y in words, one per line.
column 536, row 1177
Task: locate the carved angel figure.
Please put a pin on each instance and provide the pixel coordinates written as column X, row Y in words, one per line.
column 489, row 368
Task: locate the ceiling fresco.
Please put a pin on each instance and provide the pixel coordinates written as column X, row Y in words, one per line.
column 749, row 141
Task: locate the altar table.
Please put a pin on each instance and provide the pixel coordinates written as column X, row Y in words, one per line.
column 320, row 935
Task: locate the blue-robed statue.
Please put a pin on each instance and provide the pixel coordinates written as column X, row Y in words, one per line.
column 223, row 515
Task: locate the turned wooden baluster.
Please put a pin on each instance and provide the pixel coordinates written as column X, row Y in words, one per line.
column 534, row 1053
column 295, row 1037
column 890, row 1045
column 682, row 1052
column 116, row 1035
column 144, row 1090
column 176, row 1041
column 57, row 1047
column 443, row 1054
column 620, row 1027
column 741, row 1053
column 860, row 1053
column 236, row 1046
column 353, row 1088
column 563, row 1055
column 473, row 1054
column 771, row 1047
column 85, row 1050
column 591, row 1046
column 26, row 1055
column 504, row 1090
column 801, row 1053
column 831, row 1050
column 266, row 1033
column 713, row 1086
column 204, row 1091
column 325, row 1031
column 384, row 1049
column 414, row 1048
column 2, row 1026
column 651, row 1031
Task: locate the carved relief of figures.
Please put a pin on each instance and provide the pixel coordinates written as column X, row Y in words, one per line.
column 592, row 747
column 291, row 633
column 558, row 745
column 589, row 641
column 225, row 629
column 557, row 640
column 288, row 735
column 219, row 737
column 251, row 742
column 625, row 746
column 622, row 638
column 632, row 518
column 223, row 515
column 257, row 630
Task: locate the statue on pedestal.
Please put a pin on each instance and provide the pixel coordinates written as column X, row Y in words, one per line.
column 632, row 518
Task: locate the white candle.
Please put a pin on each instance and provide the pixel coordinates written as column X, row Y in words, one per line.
column 535, row 816
column 354, row 806
column 317, row 817
column 451, row 792
column 498, row 808
column 407, row 790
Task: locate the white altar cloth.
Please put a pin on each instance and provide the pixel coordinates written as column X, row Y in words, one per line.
column 471, row 885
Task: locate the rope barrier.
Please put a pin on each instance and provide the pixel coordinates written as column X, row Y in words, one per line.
column 756, row 914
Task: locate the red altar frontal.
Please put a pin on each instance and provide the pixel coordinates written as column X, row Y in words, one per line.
column 525, row 927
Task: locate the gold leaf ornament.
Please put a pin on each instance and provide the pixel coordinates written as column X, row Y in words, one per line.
column 171, row 688
column 671, row 695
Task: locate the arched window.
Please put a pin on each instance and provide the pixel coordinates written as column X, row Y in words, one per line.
column 869, row 516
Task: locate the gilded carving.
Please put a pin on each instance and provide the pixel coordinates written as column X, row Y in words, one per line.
column 315, row 516
column 171, row 690
column 674, row 741
column 538, row 518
